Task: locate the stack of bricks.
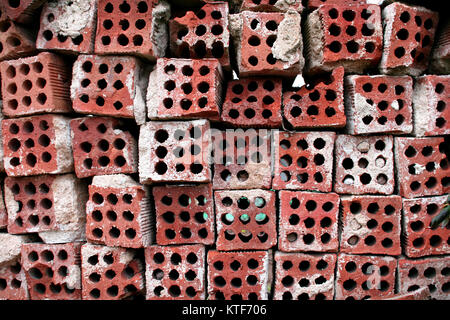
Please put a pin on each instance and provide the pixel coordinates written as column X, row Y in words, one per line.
column 219, row 151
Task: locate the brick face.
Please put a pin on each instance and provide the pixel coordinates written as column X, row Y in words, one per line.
column 13, row 284
column 15, row 41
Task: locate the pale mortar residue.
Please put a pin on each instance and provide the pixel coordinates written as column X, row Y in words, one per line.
column 68, row 214
column 53, row 237
column 11, row 246
column 422, row 114
column 315, row 39
column 155, row 92
column 63, row 144
column 284, row 5
column 73, row 279
column 288, row 45
column 114, row 181
column 74, row 16
column 160, row 29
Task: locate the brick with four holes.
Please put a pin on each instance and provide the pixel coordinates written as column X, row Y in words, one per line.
column 38, row 84
column 175, row 272
column 15, row 41
column 304, row 276
column 110, row 273
column 239, row 275
column 22, row 11
column 271, row 5
column 102, row 146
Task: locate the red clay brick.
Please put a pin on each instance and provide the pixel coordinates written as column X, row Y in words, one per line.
column 364, row 277
column 102, row 146
column 422, row 165
column 37, row 145
column 420, row 294
column 371, row 225
column 308, row 221
column 38, row 84
column 408, row 38
column 430, row 273
column 314, row 4
column 15, row 41
column 68, row 26
column 13, row 284
column 379, row 104
column 268, row 43
column 23, row 11
column 421, row 240
column 110, row 273
column 175, row 272
column 185, row 89
column 364, row 165
column 174, row 152
column 202, row 34
column 431, row 111
column 303, row 160
column 118, row 212
column 344, row 35
column 253, row 102
column 319, row 105
column 52, row 271
column 242, row 159
column 184, row 214
column 440, row 59
column 239, row 275
column 245, row 219
column 271, row 5
column 304, row 276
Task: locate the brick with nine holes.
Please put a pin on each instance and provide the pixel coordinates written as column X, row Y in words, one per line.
column 271, row 5
column 22, row 11
column 15, row 40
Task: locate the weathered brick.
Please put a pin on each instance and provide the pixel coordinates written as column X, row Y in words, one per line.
column 420, row 294
column 10, row 249
column 246, row 219
column 119, row 212
column 303, row 160
column 184, row 214
column 15, row 41
column 68, row 26
column 52, row 271
column 371, row 225
column 422, row 166
column 430, row 99
column 440, row 59
column 202, row 34
column 239, row 275
column 37, row 145
column 304, row 276
column 308, row 221
column 175, row 272
column 110, row 273
column 314, row 4
column 408, row 38
column 253, row 102
column 364, row 164
column 271, row 5
column 344, row 35
column 102, row 146
column 365, row 277
column 174, row 151
column 267, row 43
column 111, row 86
column 379, row 104
column 23, row 11
column 420, row 239
column 185, row 89
column 318, row 105
column 430, row 273
column 38, row 84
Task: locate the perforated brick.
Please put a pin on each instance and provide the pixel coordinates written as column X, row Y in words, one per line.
column 308, row 221
column 364, row 277
column 68, row 26
column 440, row 59
column 267, row 43
column 271, row 5
column 364, row 165
column 45, row 203
column 15, row 41
column 420, row 239
column 110, row 273
column 253, row 102
column 185, row 89
column 119, row 213
column 344, row 35
column 174, row 151
column 184, row 214
column 422, row 166
column 318, row 105
column 33, row 85
column 431, row 113
column 303, row 160
column 304, row 276
column 102, row 146
column 37, row 145
column 175, row 272
column 202, row 34
column 242, row 159
column 379, row 104
column 52, row 271
column 239, row 275
column 371, row 225
column 430, row 273
column 23, row 11
column 13, row 284
column 408, row 38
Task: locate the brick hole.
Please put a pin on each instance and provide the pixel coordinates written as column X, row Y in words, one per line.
column 217, row 30
column 351, row 30
column 107, row 24
column 334, row 30
column 200, row 49
column 123, row 40
column 253, row 60
column 254, row 24
column 12, row 88
column 352, row 46
column 367, row 29
column 399, row 52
